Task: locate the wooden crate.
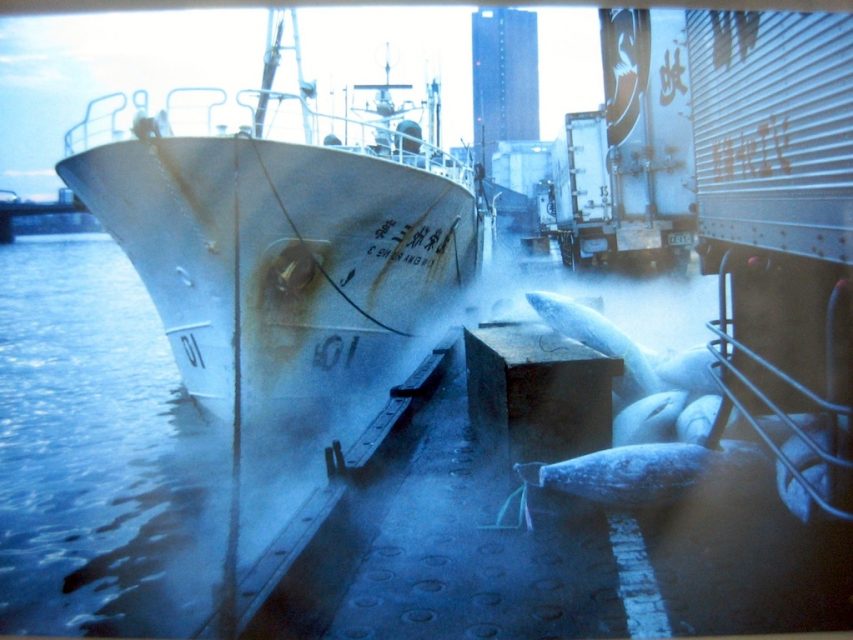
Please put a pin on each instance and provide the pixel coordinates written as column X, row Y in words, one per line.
column 534, row 395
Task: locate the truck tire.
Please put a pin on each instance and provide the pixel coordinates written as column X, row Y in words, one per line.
column 566, row 244
column 570, row 251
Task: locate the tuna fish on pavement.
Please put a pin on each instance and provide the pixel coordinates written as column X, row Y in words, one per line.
column 795, row 497
column 689, row 370
column 695, row 422
column 586, row 325
column 649, row 420
column 651, row 474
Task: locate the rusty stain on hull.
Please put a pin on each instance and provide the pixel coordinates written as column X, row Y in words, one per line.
column 170, row 169
column 379, row 280
column 280, row 314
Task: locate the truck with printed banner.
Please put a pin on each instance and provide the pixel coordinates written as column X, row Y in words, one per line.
column 623, row 177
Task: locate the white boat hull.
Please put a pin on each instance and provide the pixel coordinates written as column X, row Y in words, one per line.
column 285, row 275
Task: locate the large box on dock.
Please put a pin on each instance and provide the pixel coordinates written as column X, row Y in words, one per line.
column 534, row 395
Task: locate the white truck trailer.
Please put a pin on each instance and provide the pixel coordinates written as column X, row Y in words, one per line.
column 624, row 178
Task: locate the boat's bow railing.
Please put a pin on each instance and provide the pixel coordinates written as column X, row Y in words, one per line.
column 107, row 119
column 100, row 121
column 359, row 136
column 206, row 111
column 184, row 103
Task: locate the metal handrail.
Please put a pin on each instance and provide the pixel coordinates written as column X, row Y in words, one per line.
column 797, row 386
column 397, row 154
column 274, row 95
column 87, row 119
column 223, row 95
column 831, row 407
column 434, row 159
column 774, row 408
column 777, row 451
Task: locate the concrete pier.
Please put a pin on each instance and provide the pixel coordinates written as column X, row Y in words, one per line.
column 425, row 543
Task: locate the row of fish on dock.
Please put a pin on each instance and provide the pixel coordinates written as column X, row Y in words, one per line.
column 665, row 408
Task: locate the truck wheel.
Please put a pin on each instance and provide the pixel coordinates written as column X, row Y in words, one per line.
column 565, row 250
column 580, row 263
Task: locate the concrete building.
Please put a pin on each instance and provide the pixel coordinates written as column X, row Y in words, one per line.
column 521, row 166
column 506, row 79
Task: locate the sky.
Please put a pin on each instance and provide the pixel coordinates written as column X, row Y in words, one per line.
column 52, row 66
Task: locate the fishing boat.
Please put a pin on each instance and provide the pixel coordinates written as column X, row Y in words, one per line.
column 287, row 273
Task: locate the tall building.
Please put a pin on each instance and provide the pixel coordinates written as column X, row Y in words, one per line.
column 506, row 78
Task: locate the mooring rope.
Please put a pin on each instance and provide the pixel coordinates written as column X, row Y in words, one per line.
column 456, row 250
column 317, row 264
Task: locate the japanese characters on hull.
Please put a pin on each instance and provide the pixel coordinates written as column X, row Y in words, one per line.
column 420, row 247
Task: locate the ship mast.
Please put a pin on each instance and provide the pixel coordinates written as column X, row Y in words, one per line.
column 272, row 59
column 434, row 112
column 384, row 106
column 271, row 62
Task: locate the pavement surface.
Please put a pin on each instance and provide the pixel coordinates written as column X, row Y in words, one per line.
column 418, row 555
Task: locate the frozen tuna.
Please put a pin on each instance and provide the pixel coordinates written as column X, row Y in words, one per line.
column 797, row 499
column 596, row 303
column 695, row 422
column 653, row 357
column 689, row 370
column 816, row 472
column 652, row 474
column 586, row 325
column 649, row 420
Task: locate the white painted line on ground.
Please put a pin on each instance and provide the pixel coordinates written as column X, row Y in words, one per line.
column 638, row 588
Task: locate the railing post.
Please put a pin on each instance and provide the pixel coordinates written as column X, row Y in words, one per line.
column 725, row 411
column 838, row 339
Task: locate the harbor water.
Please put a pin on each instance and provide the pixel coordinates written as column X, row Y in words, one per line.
column 119, row 512
column 116, row 496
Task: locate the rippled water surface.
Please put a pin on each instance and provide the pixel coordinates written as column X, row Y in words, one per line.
column 115, row 493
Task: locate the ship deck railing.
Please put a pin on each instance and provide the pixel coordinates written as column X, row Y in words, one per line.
column 208, row 111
